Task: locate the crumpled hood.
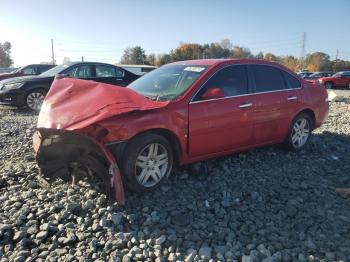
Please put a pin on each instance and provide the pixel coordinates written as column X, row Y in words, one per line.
column 74, row 103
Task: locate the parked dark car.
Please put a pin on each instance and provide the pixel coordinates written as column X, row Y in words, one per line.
column 30, row 91
column 304, row 74
column 27, row 71
column 313, row 78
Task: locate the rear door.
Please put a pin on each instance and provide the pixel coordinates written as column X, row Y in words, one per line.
column 268, row 118
column 110, row 75
column 291, row 101
column 222, row 124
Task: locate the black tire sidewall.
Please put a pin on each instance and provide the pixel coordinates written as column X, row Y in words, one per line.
column 330, row 85
column 288, row 143
column 130, row 155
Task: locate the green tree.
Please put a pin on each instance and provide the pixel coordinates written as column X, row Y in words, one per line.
column 215, row 50
column 164, row 59
column 260, row 55
column 134, row 55
column 5, row 54
column 151, row 59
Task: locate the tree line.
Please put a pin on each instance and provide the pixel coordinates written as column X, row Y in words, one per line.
column 317, row 61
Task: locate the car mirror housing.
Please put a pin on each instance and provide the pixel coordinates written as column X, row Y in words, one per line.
column 213, row 93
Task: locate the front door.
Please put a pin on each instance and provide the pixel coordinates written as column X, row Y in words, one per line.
column 222, row 124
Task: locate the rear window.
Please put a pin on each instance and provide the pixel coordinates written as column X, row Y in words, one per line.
column 291, row 81
column 267, row 78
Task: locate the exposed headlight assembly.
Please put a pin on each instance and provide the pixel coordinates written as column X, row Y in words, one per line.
column 10, row 86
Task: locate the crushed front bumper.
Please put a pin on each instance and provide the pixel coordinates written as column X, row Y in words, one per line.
column 56, row 151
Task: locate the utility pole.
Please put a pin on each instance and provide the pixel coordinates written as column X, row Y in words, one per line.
column 302, row 53
column 52, row 52
column 336, row 60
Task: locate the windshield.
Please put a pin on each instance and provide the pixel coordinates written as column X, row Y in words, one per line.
column 167, row 82
column 54, row 71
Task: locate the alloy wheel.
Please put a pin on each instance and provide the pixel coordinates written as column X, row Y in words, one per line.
column 151, row 165
column 301, row 132
column 35, row 100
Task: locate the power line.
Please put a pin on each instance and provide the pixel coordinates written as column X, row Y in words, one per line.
column 302, row 53
column 52, row 52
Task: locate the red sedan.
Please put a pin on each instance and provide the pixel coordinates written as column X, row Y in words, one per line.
column 340, row 79
column 178, row 114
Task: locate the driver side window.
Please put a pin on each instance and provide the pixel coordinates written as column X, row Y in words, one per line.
column 30, row 70
column 232, row 81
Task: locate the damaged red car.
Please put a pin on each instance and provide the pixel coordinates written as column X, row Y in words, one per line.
column 181, row 113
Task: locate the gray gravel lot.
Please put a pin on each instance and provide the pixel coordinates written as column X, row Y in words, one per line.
column 262, row 205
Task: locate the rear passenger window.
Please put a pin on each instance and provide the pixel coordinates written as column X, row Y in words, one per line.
column 291, row 81
column 231, row 80
column 267, row 78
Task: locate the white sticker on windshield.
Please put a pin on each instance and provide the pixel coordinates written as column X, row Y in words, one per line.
column 194, row 69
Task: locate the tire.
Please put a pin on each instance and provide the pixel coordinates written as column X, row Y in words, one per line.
column 142, row 170
column 34, row 99
column 299, row 133
column 328, row 85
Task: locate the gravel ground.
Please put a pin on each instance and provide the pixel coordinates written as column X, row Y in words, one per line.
column 262, row 205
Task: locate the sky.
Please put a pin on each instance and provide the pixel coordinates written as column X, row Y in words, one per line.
column 101, row 30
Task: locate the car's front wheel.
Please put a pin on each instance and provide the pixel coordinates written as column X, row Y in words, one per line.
column 148, row 161
column 35, row 99
column 299, row 132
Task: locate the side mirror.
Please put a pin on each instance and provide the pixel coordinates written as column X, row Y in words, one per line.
column 212, row 93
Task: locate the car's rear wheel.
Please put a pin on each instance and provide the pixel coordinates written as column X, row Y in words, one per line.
column 35, row 99
column 299, row 132
column 148, row 161
column 328, row 85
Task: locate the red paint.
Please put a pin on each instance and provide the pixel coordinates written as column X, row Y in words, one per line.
column 204, row 129
column 74, row 104
column 337, row 80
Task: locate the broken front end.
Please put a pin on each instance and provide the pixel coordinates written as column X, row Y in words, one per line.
column 71, row 156
column 69, row 143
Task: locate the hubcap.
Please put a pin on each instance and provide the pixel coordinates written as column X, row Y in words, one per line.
column 151, row 165
column 35, row 100
column 300, row 132
column 328, row 85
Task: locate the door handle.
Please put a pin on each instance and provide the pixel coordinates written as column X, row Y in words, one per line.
column 245, row 105
column 291, row 98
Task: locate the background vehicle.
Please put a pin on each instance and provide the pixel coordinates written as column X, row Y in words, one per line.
column 7, row 69
column 138, row 69
column 340, row 79
column 182, row 113
column 35, row 69
column 304, row 74
column 30, row 91
column 313, row 78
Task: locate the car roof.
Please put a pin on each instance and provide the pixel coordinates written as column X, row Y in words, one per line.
column 86, row 63
column 215, row 62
